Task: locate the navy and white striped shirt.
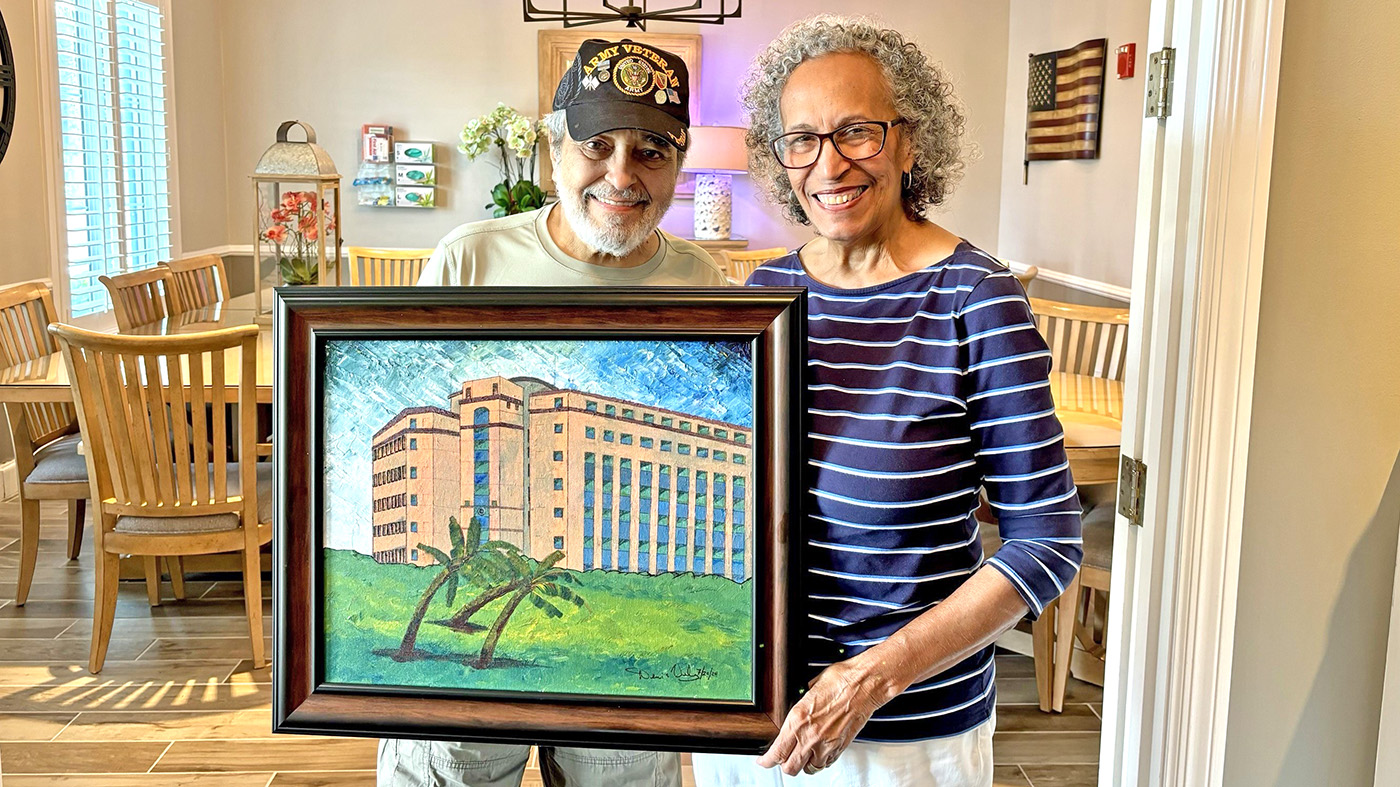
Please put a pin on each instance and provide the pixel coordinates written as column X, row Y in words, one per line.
column 921, row 391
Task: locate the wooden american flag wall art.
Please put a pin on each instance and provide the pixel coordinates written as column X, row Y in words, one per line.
column 1064, row 103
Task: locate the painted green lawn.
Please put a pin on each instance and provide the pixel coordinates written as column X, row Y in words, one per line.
column 670, row 635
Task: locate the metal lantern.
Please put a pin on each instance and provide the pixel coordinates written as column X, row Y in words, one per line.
column 297, row 214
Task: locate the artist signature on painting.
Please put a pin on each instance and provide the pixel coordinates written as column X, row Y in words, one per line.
column 681, row 673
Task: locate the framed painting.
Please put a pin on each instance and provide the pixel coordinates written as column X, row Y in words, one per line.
column 556, row 52
column 548, row 515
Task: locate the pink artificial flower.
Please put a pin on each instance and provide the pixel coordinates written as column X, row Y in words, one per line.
column 310, row 234
column 289, row 200
column 280, row 215
column 276, row 233
column 306, row 197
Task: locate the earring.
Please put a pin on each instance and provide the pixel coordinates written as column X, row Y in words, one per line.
column 906, row 181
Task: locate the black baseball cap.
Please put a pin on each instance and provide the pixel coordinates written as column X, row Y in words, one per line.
column 623, row 84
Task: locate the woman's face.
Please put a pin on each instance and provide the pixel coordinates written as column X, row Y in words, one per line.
column 847, row 201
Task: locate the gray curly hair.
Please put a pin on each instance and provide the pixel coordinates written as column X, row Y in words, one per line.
column 921, row 92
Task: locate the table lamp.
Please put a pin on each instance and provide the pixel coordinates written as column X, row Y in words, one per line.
column 716, row 154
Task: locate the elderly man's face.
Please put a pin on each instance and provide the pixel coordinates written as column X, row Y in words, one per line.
column 847, row 201
column 615, row 187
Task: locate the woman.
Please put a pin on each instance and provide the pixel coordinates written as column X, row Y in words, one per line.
column 927, row 382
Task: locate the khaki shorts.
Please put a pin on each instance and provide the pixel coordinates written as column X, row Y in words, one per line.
column 407, row 763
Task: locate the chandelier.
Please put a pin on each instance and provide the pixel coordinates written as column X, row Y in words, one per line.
column 636, row 13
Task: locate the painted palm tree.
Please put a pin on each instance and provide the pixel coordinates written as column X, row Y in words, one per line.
column 543, row 584
column 466, row 548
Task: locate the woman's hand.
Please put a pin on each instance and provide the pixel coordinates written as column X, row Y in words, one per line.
column 838, row 703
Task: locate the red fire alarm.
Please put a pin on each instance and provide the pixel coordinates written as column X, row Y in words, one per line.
column 1127, row 55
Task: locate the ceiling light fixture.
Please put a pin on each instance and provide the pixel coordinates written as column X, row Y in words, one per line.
column 636, row 14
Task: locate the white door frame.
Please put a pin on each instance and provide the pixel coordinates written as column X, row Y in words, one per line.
column 1197, row 263
column 1388, row 744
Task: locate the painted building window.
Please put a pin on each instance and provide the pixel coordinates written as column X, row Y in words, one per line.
column 628, row 413
column 558, row 456
column 702, row 452
column 666, row 421
column 683, row 449
column 558, row 483
column 413, row 555
column 558, row 428
column 649, row 418
column 740, row 438
column 737, row 546
column 702, row 429
column 738, row 459
column 589, row 468
column 685, row 426
column 558, row 513
column 558, row 542
column 481, row 470
column 701, row 521
column 609, row 409
column 413, row 527
column 647, row 442
column 558, row 401
column 413, row 500
column 590, row 433
column 682, row 517
column 720, row 456
column 606, row 516
column 719, row 516
column 645, row 478
column 666, row 446
column 412, row 472
column 607, row 435
column 413, row 444
column 591, row 407
column 624, row 514
column 626, row 439
column 663, row 517
column 413, row 423
column 722, row 433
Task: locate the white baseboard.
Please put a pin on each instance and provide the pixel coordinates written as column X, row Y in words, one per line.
column 1081, row 664
column 9, row 480
column 1080, row 283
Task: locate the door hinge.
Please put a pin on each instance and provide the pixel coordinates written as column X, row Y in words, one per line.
column 1161, row 67
column 1132, row 484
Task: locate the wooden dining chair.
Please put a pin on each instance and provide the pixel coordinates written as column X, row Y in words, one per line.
column 1027, row 276
column 139, row 297
column 1090, row 340
column 737, row 265
column 44, row 435
column 195, row 282
column 161, row 479
column 386, row 267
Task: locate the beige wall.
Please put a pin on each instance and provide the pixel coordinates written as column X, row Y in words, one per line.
column 1322, row 504
column 25, row 198
column 200, row 116
column 338, row 65
column 1075, row 216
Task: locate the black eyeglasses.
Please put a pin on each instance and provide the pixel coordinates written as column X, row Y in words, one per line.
column 855, row 141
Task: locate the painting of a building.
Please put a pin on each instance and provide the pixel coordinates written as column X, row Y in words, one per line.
column 615, row 484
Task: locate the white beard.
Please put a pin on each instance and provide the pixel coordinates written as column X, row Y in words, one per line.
column 611, row 236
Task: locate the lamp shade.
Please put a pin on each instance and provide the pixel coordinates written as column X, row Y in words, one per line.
column 717, row 149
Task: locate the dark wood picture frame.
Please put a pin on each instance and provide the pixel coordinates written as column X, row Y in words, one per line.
column 773, row 319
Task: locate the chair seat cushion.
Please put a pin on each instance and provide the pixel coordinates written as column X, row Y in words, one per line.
column 210, row 523
column 59, row 463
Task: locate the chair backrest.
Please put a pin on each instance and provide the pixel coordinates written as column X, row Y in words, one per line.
column 138, row 298
column 26, row 310
column 386, row 267
column 1027, row 276
column 1090, row 340
column 738, row 265
column 152, row 447
column 195, row 282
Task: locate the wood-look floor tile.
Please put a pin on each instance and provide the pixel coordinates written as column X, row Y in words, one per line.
column 1053, row 748
column 282, row 754
column 174, row 649
column 69, row 650
column 1008, row 776
column 232, row 590
column 327, row 779
column 142, row 780
column 173, row 627
column 1062, row 775
column 169, row 725
column 1019, row 691
column 124, row 757
column 32, row 726
column 244, row 673
column 134, row 697
column 1014, row 665
column 35, row 628
column 1030, row 718
column 116, row 672
column 1097, row 708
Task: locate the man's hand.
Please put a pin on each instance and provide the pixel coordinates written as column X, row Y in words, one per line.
column 838, row 703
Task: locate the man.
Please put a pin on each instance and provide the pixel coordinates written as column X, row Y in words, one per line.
column 615, row 169
column 618, row 135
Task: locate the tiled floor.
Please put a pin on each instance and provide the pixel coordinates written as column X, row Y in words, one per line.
column 177, row 703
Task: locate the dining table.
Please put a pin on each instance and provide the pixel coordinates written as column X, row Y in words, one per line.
column 1091, row 411
column 45, row 379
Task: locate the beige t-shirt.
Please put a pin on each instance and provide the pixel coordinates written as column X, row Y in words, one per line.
column 517, row 251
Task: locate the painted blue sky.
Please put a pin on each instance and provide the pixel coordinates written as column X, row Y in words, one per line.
column 367, row 382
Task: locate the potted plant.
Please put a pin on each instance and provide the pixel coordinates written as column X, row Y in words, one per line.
column 515, row 138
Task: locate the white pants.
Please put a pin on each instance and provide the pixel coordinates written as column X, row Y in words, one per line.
column 409, row 763
column 963, row 760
